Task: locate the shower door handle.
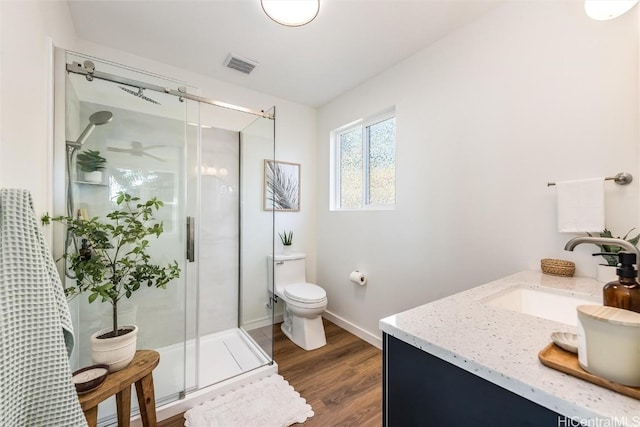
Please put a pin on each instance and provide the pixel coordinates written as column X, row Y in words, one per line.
column 191, row 239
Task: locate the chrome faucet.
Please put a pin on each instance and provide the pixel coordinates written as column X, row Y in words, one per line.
column 571, row 244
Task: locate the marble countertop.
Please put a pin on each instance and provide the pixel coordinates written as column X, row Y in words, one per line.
column 502, row 347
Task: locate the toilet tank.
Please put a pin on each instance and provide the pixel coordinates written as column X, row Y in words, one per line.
column 289, row 268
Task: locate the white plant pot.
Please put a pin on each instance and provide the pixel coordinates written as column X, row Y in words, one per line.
column 95, row 177
column 116, row 352
column 606, row 273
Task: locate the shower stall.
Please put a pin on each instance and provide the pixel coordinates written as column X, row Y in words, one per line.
column 204, row 159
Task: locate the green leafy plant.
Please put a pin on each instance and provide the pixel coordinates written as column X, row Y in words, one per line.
column 286, row 237
column 114, row 261
column 91, row 161
column 613, row 249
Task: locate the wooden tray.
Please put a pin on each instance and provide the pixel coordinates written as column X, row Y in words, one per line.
column 562, row 360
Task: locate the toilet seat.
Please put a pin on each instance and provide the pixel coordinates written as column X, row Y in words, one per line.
column 306, row 293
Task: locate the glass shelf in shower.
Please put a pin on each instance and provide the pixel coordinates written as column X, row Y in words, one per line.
column 99, row 184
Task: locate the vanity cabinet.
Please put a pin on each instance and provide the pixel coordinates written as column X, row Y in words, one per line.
column 420, row 389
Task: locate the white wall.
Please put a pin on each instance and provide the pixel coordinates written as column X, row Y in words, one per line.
column 530, row 93
column 303, row 223
column 25, row 32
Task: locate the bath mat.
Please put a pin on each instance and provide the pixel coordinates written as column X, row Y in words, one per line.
column 269, row 402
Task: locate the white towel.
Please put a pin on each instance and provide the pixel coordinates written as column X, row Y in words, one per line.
column 581, row 205
column 36, row 389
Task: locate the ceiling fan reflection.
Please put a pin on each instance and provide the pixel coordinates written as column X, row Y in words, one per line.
column 138, row 149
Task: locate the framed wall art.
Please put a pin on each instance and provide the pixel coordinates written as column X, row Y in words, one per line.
column 281, row 186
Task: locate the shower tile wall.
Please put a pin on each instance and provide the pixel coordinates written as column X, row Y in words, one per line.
column 219, row 231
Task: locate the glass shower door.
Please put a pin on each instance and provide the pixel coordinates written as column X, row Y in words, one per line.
column 257, row 224
column 144, row 145
column 224, row 350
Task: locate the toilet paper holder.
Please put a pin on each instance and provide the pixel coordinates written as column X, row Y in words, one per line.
column 358, row 277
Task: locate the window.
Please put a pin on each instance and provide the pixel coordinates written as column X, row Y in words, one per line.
column 365, row 164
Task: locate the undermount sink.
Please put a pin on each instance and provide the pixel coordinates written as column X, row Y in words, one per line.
column 544, row 303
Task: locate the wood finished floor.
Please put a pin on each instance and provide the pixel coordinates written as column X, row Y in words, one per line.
column 342, row 381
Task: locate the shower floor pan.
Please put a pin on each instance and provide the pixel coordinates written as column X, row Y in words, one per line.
column 228, row 359
column 224, row 355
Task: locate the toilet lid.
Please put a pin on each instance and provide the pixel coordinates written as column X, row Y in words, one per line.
column 305, row 292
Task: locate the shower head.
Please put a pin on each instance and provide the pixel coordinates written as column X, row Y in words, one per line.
column 140, row 94
column 101, row 117
column 96, row 119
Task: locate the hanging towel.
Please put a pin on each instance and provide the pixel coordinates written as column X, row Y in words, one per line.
column 36, row 389
column 581, row 205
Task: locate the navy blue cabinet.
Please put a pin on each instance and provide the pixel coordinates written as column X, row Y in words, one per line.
column 420, row 389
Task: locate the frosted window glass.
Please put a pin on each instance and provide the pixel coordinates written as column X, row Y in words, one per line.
column 351, row 182
column 382, row 163
column 365, row 164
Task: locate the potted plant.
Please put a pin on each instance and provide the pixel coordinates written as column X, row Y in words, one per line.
column 607, row 272
column 287, row 239
column 91, row 164
column 112, row 264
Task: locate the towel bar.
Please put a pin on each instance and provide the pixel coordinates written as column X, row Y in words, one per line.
column 622, row 178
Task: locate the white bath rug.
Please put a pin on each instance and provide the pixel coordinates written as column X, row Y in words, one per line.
column 269, row 402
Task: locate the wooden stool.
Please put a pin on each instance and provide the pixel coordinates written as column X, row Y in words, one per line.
column 119, row 383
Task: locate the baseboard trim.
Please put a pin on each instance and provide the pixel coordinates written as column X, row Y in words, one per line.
column 261, row 323
column 354, row 329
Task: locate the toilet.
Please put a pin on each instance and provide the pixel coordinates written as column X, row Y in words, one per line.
column 303, row 302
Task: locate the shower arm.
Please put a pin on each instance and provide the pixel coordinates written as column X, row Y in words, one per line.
column 75, row 145
column 98, row 118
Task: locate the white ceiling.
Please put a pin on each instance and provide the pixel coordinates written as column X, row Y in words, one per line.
column 348, row 43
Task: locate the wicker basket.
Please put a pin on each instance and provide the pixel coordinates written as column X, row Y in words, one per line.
column 557, row 267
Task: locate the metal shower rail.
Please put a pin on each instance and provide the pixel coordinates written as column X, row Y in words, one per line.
column 88, row 70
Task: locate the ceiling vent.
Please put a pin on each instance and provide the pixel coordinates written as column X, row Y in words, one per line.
column 239, row 63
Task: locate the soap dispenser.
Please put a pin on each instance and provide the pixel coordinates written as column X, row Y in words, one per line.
column 625, row 292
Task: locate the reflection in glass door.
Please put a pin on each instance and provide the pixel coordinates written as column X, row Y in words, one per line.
column 144, row 147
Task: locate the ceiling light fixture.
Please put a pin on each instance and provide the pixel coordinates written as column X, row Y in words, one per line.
column 602, row 10
column 292, row 13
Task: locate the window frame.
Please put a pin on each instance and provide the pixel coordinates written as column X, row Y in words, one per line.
column 336, row 170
